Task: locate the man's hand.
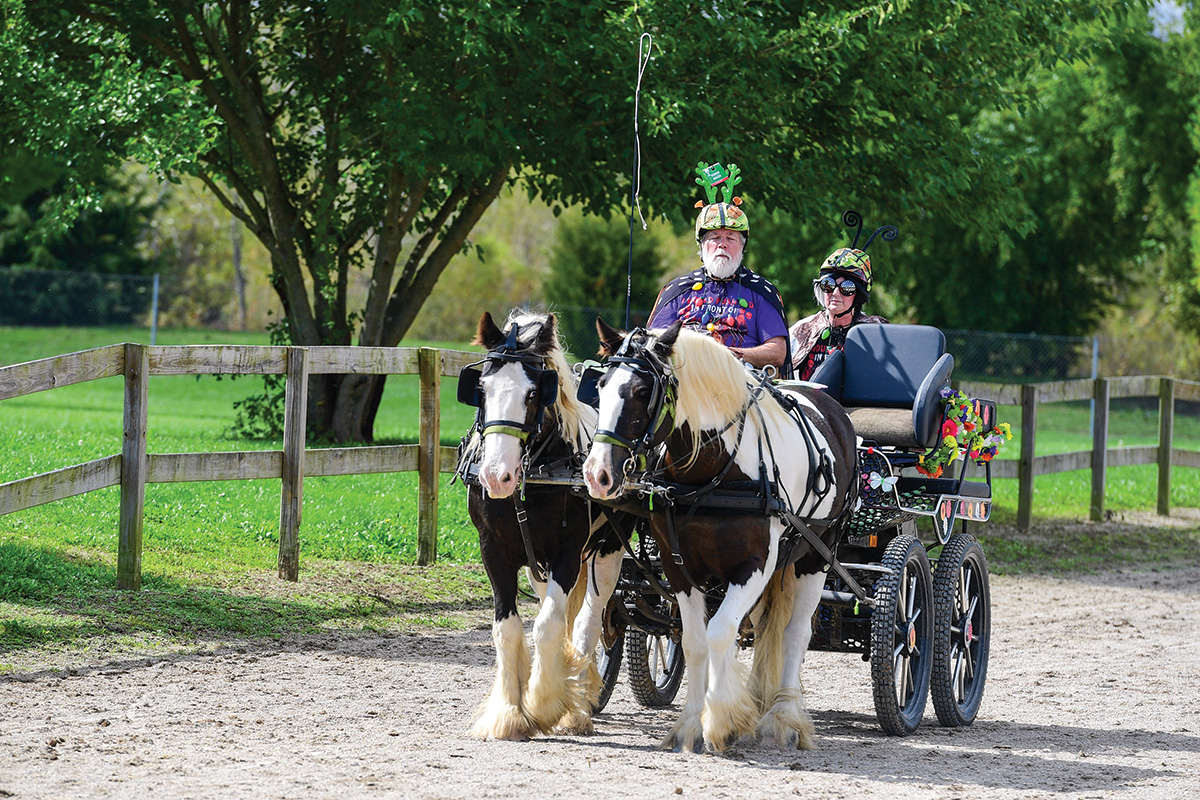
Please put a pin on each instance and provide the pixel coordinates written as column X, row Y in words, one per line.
column 770, row 352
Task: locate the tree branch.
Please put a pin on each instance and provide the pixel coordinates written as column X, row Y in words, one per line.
column 404, row 305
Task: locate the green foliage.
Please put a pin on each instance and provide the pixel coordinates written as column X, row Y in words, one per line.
column 1097, row 161
column 490, row 279
column 373, row 135
column 590, row 264
column 260, row 416
column 60, row 274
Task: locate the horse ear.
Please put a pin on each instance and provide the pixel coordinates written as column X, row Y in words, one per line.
column 488, row 336
column 610, row 338
column 665, row 342
column 547, row 336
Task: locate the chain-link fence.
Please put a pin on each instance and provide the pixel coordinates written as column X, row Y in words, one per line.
column 60, row 297
column 978, row 355
column 993, row 357
column 577, row 326
column 55, row 297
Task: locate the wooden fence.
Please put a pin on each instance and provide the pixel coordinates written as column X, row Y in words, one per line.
column 1101, row 456
column 133, row 467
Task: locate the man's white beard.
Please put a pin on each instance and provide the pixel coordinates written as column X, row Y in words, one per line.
column 720, row 265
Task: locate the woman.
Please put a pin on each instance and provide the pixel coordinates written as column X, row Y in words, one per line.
column 842, row 287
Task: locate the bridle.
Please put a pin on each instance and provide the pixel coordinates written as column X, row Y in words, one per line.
column 660, row 407
column 545, row 384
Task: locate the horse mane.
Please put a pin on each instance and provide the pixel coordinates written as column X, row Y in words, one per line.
column 577, row 420
column 714, row 386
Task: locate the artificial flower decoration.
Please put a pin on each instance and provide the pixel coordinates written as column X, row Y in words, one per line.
column 961, row 436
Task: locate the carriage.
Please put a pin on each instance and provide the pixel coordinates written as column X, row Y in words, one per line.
column 922, row 623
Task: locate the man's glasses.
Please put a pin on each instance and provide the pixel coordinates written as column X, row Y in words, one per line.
column 828, row 284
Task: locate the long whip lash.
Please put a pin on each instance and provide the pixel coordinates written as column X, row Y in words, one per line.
column 646, row 41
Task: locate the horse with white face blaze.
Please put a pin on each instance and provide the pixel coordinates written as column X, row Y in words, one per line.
column 526, row 399
column 720, row 428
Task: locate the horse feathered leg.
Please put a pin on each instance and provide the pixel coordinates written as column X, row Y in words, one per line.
column 773, row 613
column 729, row 709
column 586, row 630
column 501, row 716
column 786, row 720
column 687, row 735
column 554, row 690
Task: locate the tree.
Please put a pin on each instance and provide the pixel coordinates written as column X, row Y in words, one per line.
column 1097, row 161
column 73, row 263
column 363, row 134
column 590, row 264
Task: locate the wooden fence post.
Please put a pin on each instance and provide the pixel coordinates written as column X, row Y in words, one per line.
column 429, row 456
column 295, row 422
column 1029, row 398
column 1166, row 430
column 134, row 464
column 1099, row 447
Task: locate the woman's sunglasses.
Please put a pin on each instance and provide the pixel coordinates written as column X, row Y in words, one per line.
column 828, row 284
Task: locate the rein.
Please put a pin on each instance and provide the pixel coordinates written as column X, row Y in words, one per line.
column 819, row 484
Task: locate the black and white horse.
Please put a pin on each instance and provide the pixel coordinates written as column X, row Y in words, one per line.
column 528, row 413
column 718, row 424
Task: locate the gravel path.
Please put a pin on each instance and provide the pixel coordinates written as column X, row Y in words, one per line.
column 1093, row 692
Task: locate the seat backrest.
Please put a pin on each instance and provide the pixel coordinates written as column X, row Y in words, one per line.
column 885, row 364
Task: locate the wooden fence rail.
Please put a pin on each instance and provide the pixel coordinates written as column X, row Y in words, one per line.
column 1101, row 456
column 134, row 467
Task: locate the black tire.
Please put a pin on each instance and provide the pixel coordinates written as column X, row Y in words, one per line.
column 608, row 652
column 961, row 631
column 902, row 636
column 654, row 665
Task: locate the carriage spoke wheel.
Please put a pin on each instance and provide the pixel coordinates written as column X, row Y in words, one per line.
column 655, row 664
column 962, row 628
column 608, row 651
column 902, row 636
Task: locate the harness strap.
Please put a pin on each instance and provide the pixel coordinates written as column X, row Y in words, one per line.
column 535, row 567
column 517, row 429
column 815, row 542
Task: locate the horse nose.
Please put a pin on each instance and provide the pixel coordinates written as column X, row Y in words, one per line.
column 604, row 479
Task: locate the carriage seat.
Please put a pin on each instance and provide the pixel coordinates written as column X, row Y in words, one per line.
column 889, row 379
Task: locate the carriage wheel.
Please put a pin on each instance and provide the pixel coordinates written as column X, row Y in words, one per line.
column 961, row 630
column 655, row 664
column 608, row 651
column 902, row 636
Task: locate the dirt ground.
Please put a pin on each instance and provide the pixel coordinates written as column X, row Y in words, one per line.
column 1093, row 692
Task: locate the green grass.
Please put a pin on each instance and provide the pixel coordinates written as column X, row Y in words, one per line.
column 210, row 549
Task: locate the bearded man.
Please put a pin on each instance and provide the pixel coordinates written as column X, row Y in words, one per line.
column 724, row 299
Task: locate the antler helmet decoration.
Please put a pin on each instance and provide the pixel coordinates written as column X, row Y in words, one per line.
column 715, row 215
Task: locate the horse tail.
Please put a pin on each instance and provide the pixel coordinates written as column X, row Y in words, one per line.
column 774, row 613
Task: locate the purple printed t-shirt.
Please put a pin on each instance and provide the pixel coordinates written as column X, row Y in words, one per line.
column 734, row 315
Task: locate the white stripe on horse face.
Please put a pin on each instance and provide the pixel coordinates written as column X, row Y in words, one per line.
column 505, row 394
column 599, row 460
column 611, row 401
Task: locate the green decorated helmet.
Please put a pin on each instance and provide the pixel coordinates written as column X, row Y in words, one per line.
column 715, row 215
column 853, row 261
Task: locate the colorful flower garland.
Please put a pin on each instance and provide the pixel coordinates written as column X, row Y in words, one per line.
column 962, row 434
